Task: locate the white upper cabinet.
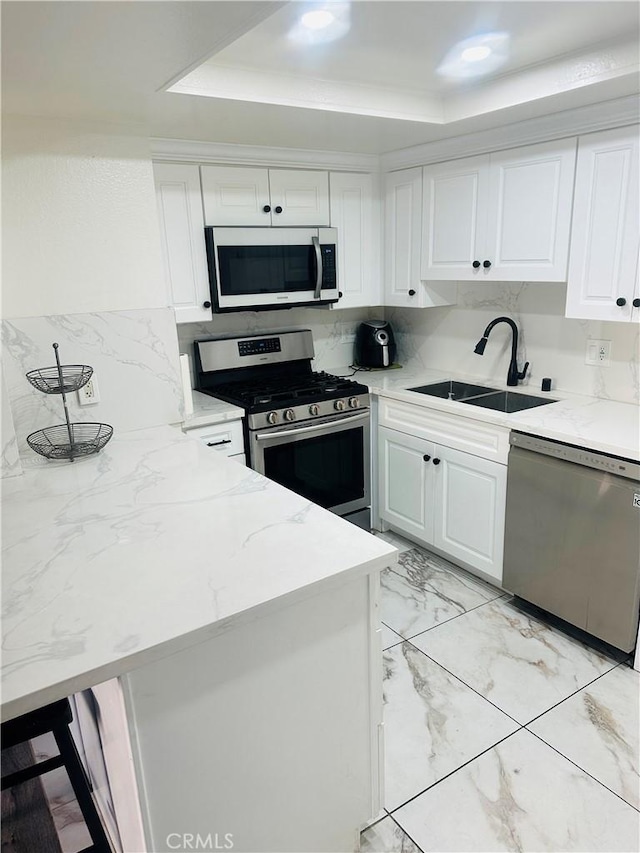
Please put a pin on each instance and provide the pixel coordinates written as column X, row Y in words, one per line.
column 500, row 217
column 605, row 242
column 234, row 195
column 181, row 225
column 354, row 212
column 403, row 246
column 455, row 217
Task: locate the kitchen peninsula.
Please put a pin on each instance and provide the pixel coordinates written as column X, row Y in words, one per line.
column 241, row 620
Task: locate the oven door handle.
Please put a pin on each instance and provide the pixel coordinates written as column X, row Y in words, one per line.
column 265, row 436
column 316, row 246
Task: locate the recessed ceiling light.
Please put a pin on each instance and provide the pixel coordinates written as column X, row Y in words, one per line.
column 318, row 19
column 324, row 22
column 475, row 54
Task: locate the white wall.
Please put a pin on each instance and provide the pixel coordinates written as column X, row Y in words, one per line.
column 444, row 339
column 79, row 219
column 82, row 266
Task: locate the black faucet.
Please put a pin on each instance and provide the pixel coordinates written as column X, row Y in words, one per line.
column 512, row 375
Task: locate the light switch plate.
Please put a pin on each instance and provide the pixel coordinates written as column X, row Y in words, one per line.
column 598, row 353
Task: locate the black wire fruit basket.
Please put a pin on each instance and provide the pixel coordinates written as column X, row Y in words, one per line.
column 68, row 440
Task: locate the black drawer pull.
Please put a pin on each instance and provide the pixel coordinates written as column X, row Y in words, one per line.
column 426, row 457
column 436, row 461
column 218, row 443
column 412, row 292
column 475, row 264
column 486, row 264
column 636, row 303
column 267, row 208
column 621, row 301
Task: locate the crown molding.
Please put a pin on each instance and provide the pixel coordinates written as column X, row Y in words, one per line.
column 186, row 151
column 603, row 116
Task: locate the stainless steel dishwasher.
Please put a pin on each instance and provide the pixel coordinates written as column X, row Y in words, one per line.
column 572, row 536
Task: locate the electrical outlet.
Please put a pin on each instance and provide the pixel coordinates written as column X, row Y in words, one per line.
column 89, row 393
column 598, row 353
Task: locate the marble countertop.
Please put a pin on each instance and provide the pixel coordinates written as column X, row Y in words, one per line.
column 209, row 410
column 605, row 425
column 151, row 546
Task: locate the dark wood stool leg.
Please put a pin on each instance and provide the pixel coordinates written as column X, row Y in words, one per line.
column 81, row 788
column 27, row 824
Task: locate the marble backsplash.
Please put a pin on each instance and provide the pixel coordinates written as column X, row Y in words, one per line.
column 134, row 355
column 444, row 339
column 330, row 328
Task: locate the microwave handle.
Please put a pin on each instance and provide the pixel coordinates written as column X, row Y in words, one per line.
column 316, row 246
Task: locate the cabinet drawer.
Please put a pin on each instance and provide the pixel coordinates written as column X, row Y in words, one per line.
column 486, row 440
column 226, row 438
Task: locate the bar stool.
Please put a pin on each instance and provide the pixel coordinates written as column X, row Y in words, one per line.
column 55, row 718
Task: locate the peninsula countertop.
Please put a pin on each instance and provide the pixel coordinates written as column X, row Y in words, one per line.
column 151, row 546
column 606, row 425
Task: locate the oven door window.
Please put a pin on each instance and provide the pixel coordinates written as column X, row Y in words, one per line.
column 246, row 270
column 327, row 469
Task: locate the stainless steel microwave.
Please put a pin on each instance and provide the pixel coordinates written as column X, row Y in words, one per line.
column 255, row 269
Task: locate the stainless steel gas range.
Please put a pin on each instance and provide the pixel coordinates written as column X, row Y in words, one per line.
column 306, row 430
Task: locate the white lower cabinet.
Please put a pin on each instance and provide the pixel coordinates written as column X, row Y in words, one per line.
column 446, row 498
column 226, row 438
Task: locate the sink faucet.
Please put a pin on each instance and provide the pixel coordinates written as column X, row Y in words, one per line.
column 513, row 375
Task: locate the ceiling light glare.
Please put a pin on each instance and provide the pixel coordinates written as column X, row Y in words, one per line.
column 318, row 19
column 322, row 22
column 475, row 56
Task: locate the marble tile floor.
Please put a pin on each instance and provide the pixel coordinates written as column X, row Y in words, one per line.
column 501, row 732
column 65, row 811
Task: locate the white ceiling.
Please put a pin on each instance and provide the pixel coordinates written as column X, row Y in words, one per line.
column 373, row 91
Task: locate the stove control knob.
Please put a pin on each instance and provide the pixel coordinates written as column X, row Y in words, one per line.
column 289, row 415
column 339, row 405
column 314, row 410
column 353, row 402
column 272, row 417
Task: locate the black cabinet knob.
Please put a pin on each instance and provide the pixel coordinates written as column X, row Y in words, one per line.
column 426, row 457
column 412, row 293
column 636, row 303
column 340, row 294
column 475, row 264
column 436, row 461
column 267, row 208
column 206, row 304
column 621, row 301
column 486, row 264
column 278, row 209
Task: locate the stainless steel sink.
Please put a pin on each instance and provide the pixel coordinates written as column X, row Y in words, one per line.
column 452, row 390
column 508, row 401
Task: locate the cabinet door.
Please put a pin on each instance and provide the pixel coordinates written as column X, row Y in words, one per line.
column 354, row 212
column 455, row 219
column 303, row 197
column 235, row 196
column 470, row 499
column 182, row 238
column 605, row 234
column 403, row 215
column 529, row 214
column 405, row 482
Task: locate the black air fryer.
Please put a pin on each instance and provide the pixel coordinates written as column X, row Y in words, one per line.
column 375, row 344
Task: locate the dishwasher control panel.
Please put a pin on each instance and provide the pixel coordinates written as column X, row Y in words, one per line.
column 578, row 455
